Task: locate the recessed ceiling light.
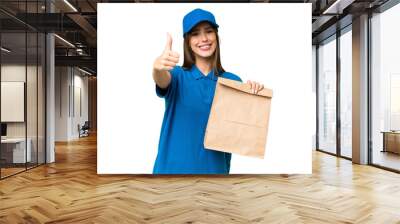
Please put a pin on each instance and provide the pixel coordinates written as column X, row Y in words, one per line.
column 5, row 49
column 70, row 5
column 86, row 72
column 338, row 6
column 64, row 40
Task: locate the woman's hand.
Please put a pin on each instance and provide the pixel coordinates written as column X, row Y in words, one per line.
column 255, row 86
column 164, row 63
column 168, row 58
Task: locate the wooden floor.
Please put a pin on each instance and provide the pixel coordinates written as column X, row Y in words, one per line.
column 70, row 191
column 8, row 171
column 387, row 159
column 5, row 172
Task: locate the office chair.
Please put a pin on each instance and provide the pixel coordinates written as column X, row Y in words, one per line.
column 84, row 130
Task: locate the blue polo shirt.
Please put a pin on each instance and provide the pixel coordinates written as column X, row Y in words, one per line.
column 188, row 100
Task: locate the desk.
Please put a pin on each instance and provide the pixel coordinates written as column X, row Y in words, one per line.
column 391, row 141
column 15, row 148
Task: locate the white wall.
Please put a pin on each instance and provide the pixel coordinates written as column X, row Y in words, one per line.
column 68, row 83
column 61, row 103
column 12, row 73
column 15, row 72
column 34, row 125
column 80, row 83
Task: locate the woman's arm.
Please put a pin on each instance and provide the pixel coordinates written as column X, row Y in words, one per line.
column 163, row 64
column 162, row 78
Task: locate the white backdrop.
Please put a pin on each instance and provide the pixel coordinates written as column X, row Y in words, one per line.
column 268, row 43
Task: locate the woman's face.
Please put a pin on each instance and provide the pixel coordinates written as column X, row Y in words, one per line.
column 203, row 40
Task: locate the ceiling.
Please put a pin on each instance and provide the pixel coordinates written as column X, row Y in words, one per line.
column 76, row 22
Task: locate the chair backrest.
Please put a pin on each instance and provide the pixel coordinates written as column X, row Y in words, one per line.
column 86, row 125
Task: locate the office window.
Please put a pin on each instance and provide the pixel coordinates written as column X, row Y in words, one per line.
column 327, row 96
column 385, row 88
column 346, row 93
column 314, row 90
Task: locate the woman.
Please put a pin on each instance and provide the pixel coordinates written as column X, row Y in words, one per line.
column 188, row 93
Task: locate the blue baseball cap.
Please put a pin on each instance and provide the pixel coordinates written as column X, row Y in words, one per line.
column 196, row 16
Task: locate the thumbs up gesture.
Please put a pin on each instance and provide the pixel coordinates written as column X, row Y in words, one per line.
column 168, row 58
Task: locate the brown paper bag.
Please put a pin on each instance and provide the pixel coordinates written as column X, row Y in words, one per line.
column 238, row 121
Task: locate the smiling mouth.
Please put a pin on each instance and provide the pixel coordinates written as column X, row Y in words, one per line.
column 205, row 47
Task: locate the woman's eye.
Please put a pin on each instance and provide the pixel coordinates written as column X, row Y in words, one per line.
column 195, row 33
column 210, row 31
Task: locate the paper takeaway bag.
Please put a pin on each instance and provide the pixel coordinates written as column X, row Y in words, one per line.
column 238, row 121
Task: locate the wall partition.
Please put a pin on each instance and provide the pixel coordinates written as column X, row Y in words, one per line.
column 22, row 77
column 13, row 108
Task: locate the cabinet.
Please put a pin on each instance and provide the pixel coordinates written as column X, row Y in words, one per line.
column 391, row 141
column 13, row 150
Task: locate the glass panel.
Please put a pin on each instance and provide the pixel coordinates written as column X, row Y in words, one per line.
column 32, row 73
column 346, row 94
column 22, row 88
column 314, row 87
column 32, row 90
column 386, row 89
column 327, row 96
column 41, row 98
column 13, row 89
